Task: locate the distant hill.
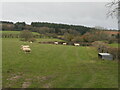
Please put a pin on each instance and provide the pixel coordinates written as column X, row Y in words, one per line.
column 19, row 26
column 45, row 27
column 80, row 29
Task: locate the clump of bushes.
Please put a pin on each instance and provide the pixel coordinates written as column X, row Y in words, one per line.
column 104, row 48
column 32, row 40
column 26, row 35
column 6, row 35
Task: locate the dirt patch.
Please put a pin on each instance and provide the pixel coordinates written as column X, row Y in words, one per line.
column 48, row 85
column 16, row 77
column 44, row 78
column 26, row 84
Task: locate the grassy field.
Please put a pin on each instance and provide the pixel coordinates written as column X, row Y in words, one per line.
column 48, row 39
column 114, row 45
column 16, row 32
column 55, row 66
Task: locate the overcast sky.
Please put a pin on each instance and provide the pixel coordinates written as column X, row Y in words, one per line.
column 78, row 13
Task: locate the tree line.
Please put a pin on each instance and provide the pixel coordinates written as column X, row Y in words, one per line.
column 43, row 27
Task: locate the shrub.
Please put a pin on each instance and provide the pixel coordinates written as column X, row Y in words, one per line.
column 104, row 48
column 25, row 35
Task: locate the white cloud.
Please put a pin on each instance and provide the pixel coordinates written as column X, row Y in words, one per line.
column 81, row 13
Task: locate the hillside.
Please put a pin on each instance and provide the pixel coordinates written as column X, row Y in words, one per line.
column 54, row 28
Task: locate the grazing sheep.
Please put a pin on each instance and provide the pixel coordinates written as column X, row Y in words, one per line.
column 76, row 44
column 56, row 43
column 64, row 43
column 24, row 46
column 27, row 49
column 30, row 42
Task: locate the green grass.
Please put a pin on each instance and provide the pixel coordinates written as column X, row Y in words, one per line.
column 114, row 45
column 48, row 39
column 16, row 32
column 0, row 62
column 55, row 66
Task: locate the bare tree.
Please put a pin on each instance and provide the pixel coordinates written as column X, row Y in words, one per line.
column 114, row 10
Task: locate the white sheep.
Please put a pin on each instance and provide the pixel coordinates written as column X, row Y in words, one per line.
column 56, row 43
column 76, row 44
column 64, row 43
column 24, row 46
column 27, row 49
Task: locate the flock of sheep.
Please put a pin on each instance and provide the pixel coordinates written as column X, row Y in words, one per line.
column 26, row 48
column 75, row 44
